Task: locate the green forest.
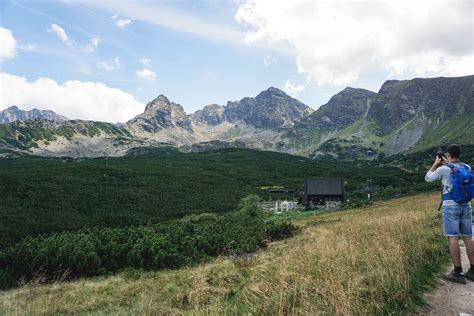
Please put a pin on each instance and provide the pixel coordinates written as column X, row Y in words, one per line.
column 161, row 208
column 46, row 195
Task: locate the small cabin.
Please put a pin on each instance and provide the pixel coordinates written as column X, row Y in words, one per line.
column 324, row 191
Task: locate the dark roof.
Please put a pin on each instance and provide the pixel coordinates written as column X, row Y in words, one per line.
column 324, row 186
column 283, row 190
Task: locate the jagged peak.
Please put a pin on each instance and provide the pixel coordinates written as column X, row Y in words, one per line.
column 12, row 108
column 159, row 101
column 271, row 92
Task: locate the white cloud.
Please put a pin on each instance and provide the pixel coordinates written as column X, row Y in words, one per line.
column 166, row 16
column 292, row 88
column 336, row 40
column 92, row 45
column 7, row 44
column 145, row 62
column 27, row 48
column 109, row 65
column 146, row 74
column 268, row 61
column 120, row 23
column 74, row 99
column 61, row 33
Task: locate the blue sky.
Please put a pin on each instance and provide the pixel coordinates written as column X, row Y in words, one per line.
column 202, row 52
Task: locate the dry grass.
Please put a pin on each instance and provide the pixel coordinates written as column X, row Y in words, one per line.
column 368, row 261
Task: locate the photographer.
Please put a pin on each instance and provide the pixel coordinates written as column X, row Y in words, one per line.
column 457, row 215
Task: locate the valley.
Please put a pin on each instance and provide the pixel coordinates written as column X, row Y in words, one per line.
column 334, row 266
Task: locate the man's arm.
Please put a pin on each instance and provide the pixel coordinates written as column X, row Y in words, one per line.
column 433, row 174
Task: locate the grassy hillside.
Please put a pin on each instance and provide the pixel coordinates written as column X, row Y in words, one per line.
column 46, row 195
column 354, row 141
column 459, row 129
column 374, row 260
column 24, row 135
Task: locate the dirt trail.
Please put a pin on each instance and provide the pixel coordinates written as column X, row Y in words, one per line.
column 450, row 298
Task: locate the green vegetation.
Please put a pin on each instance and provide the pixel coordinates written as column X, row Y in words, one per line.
column 375, row 260
column 24, row 135
column 458, row 129
column 353, row 148
column 419, row 161
column 173, row 244
column 45, row 195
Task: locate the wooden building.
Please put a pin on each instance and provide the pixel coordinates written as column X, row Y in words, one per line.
column 328, row 192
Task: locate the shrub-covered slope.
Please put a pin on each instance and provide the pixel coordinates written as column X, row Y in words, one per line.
column 375, row 260
column 42, row 195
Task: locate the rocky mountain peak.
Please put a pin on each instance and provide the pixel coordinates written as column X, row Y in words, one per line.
column 161, row 114
column 212, row 114
column 400, row 101
column 272, row 109
column 12, row 108
column 159, row 102
column 14, row 113
column 272, row 92
column 343, row 109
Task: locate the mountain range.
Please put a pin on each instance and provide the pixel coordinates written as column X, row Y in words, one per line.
column 13, row 113
column 404, row 115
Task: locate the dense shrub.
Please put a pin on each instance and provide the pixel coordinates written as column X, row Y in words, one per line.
column 280, row 230
column 172, row 244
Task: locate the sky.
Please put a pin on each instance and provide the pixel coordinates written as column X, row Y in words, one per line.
column 104, row 60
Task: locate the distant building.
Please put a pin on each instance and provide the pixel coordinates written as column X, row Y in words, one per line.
column 328, row 192
column 279, row 192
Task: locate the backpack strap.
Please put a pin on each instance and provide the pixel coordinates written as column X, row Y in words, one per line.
column 449, row 195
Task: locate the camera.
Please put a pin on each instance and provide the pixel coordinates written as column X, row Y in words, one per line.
column 441, row 155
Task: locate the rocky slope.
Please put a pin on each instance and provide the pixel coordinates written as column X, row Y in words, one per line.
column 255, row 122
column 13, row 113
column 164, row 121
column 271, row 109
column 407, row 115
column 342, row 110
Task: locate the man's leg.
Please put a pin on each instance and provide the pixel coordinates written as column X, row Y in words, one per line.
column 455, row 251
column 451, row 225
column 466, row 232
column 469, row 242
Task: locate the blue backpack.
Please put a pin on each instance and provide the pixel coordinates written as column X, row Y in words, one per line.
column 463, row 184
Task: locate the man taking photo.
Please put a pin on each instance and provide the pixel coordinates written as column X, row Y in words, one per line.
column 456, row 178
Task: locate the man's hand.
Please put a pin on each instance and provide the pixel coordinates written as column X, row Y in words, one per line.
column 436, row 163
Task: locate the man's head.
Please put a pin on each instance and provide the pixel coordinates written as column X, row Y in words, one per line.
column 453, row 153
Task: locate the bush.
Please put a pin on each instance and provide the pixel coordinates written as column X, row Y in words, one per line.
column 172, row 244
column 280, row 230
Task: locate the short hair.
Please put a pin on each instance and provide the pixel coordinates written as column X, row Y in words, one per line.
column 454, row 150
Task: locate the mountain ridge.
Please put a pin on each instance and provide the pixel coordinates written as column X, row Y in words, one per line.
column 354, row 124
column 14, row 113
